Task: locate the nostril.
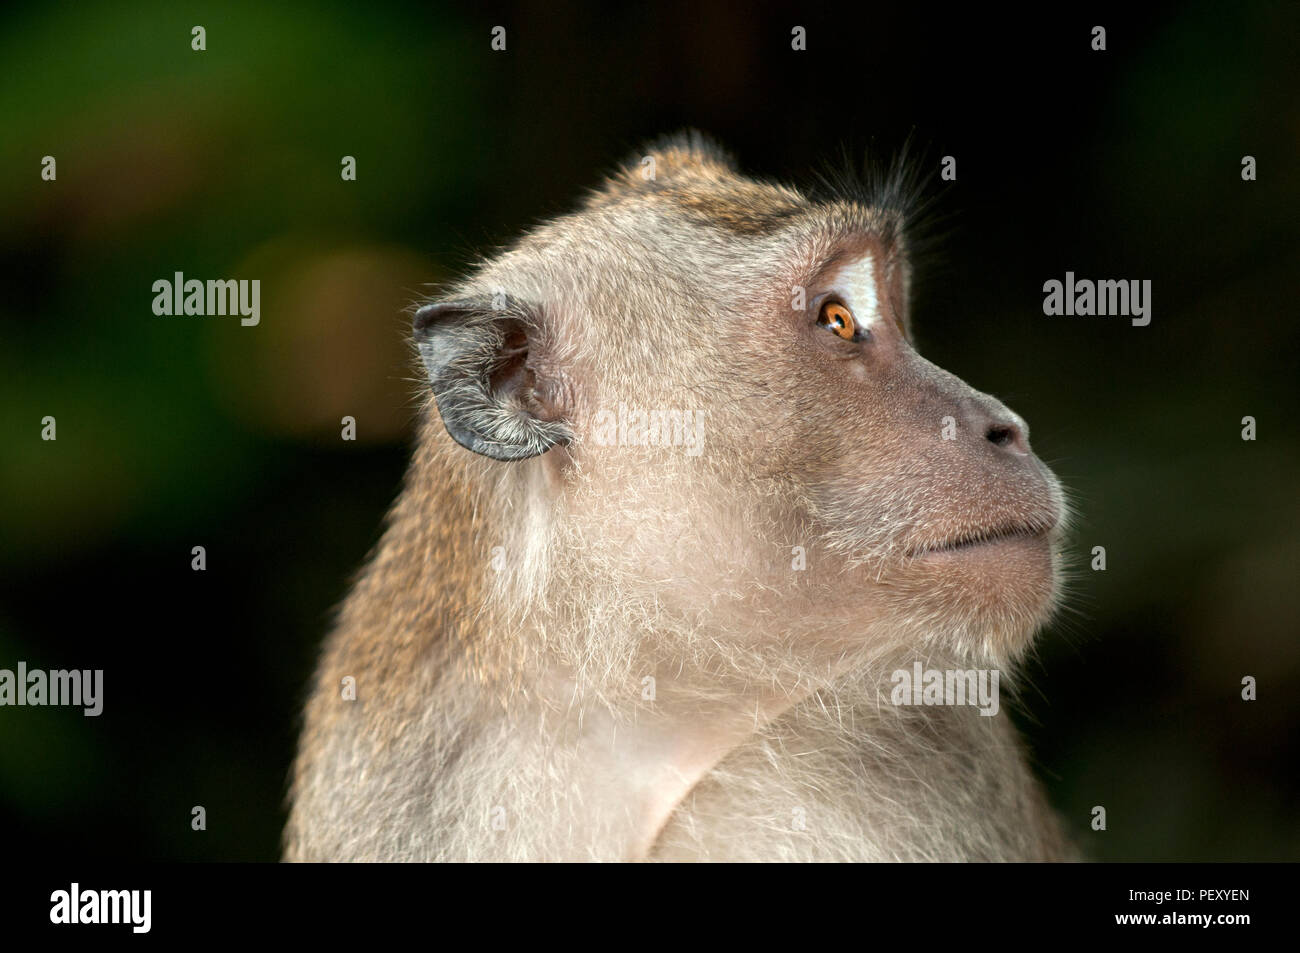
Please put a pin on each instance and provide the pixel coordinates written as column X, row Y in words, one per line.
column 1000, row 435
column 1005, row 436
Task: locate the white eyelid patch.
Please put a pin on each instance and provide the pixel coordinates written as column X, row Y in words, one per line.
column 856, row 285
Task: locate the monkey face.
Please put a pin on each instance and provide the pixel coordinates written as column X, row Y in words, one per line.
column 919, row 509
column 926, row 488
column 714, row 382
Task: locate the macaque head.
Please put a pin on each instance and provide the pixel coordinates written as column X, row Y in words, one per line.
column 697, row 404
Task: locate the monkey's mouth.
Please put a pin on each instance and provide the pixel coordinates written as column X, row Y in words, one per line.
column 981, row 538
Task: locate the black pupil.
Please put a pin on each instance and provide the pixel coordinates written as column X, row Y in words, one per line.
column 835, row 319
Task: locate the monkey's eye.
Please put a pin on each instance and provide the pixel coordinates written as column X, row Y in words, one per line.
column 839, row 319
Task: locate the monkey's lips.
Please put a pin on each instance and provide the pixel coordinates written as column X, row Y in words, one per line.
column 1016, row 536
column 998, row 584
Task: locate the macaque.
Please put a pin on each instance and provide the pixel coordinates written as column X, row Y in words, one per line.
column 687, row 519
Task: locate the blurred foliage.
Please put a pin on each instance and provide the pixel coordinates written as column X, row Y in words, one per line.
column 175, row 431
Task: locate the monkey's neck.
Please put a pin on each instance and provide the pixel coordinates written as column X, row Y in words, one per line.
column 583, row 765
column 639, row 754
column 636, row 762
column 654, row 778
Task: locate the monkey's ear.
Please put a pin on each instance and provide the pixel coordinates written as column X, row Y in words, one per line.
column 476, row 353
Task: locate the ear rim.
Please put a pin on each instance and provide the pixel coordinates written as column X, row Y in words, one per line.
column 458, row 340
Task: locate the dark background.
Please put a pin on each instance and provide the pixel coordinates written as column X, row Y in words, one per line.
column 175, row 432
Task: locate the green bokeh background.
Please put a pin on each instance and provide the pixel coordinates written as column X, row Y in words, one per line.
column 175, row 432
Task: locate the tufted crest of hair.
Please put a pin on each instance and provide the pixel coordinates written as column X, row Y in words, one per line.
column 699, row 176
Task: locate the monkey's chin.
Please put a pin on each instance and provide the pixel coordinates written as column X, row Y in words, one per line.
column 993, row 595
